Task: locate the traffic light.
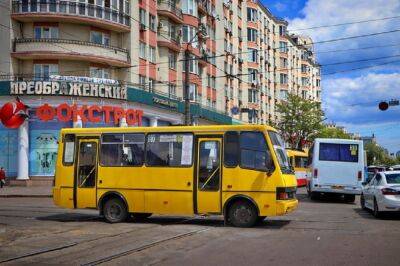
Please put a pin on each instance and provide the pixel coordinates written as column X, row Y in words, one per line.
column 383, row 106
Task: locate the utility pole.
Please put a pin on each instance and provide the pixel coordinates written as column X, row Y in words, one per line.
column 188, row 59
column 188, row 121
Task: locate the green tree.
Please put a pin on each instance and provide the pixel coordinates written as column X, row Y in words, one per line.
column 376, row 155
column 333, row 132
column 300, row 121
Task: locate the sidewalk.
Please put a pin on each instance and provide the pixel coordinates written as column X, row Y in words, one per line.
column 37, row 192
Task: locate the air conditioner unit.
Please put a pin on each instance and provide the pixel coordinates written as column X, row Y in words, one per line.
column 160, row 25
column 142, row 27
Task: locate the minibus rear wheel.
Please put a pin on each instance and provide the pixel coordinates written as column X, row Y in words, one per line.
column 115, row 210
column 242, row 214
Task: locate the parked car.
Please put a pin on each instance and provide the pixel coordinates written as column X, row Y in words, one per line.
column 382, row 193
column 336, row 167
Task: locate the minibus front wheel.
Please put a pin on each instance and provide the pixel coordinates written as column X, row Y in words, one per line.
column 242, row 213
column 115, row 210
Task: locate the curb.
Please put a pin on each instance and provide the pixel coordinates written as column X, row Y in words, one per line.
column 25, row 196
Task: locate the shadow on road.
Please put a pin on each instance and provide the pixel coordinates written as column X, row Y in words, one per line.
column 367, row 214
column 214, row 221
column 324, row 198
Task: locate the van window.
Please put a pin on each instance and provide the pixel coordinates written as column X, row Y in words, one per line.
column 253, row 150
column 122, row 150
column 69, row 149
column 338, row 152
column 169, row 150
column 231, row 148
column 300, row 161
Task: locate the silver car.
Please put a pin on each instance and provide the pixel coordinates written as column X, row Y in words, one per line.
column 382, row 193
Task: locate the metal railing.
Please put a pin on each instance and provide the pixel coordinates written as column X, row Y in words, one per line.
column 65, row 41
column 71, row 8
column 167, row 36
column 170, row 6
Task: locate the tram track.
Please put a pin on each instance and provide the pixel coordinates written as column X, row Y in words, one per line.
column 113, row 256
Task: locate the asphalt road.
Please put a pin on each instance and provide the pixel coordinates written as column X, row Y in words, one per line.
column 327, row 232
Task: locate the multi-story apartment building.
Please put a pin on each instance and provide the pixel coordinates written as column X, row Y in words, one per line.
column 75, row 62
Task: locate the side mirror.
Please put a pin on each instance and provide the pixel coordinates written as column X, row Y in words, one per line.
column 269, row 163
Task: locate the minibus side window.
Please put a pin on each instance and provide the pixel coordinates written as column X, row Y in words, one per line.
column 173, row 150
column 69, row 150
column 231, row 149
column 122, row 150
column 253, row 151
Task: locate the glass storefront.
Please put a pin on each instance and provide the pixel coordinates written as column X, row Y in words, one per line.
column 43, row 144
column 9, row 150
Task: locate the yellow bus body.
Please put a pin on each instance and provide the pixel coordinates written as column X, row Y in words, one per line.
column 170, row 190
column 300, row 172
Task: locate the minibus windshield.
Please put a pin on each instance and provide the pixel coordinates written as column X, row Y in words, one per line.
column 279, row 148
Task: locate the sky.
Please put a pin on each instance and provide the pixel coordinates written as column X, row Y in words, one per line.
column 350, row 97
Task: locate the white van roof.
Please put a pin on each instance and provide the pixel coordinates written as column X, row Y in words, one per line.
column 332, row 140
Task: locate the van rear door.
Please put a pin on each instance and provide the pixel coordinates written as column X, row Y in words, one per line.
column 339, row 163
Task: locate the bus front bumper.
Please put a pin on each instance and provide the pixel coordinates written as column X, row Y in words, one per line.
column 286, row 206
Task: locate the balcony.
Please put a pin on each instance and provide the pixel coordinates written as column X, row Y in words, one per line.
column 70, row 50
column 164, row 39
column 169, row 9
column 72, row 12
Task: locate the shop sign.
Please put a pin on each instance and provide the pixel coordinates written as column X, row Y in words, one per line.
column 165, row 102
column 93, row 113
column 69, row 88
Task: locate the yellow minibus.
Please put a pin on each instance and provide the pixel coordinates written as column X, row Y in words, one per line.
column 238, row 171
column 299, row 161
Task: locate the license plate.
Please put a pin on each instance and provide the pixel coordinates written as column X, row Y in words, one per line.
column 337, row 187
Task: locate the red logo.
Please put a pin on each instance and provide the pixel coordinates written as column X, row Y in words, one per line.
column 13, row 114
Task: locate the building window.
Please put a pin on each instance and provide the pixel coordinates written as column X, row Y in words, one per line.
column 193, row 65
column 284, row 62
column 171, row 90
column 304, row 68
column 251, row 35
column 46, row 32
column 253, row 75
column 151, row 84
column 282, row 30
column 44, row 71
column 142, row 81
column 283, row 48
column 101, row 73
column 189, row 7
column 192, row 92
column 252, row 55
column 253, row 96
column 283, row 94
column 251, row 14
column 142, row 50
column 318, row 83
column 152, row 54
column 100, row 38
column 283, row 78
column 152, row 22
column 142, row 17
column 305, row 81
column 172, row 60
column 189, row 34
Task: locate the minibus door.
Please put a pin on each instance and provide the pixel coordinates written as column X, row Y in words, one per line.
column 208, row 177
column 86, row 174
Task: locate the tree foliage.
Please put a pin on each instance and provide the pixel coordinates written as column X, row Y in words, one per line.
column 300, row 121
column 376, row 155
column 333, row 132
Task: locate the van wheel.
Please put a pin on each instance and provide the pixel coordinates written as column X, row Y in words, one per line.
column 242, row 214
column 362, row 202
column 315, row 195
column 141, row 215
column 376, row 211
column 349, row 198
column 115, row 211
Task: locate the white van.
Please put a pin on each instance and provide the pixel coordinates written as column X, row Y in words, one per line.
column 336, row 166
